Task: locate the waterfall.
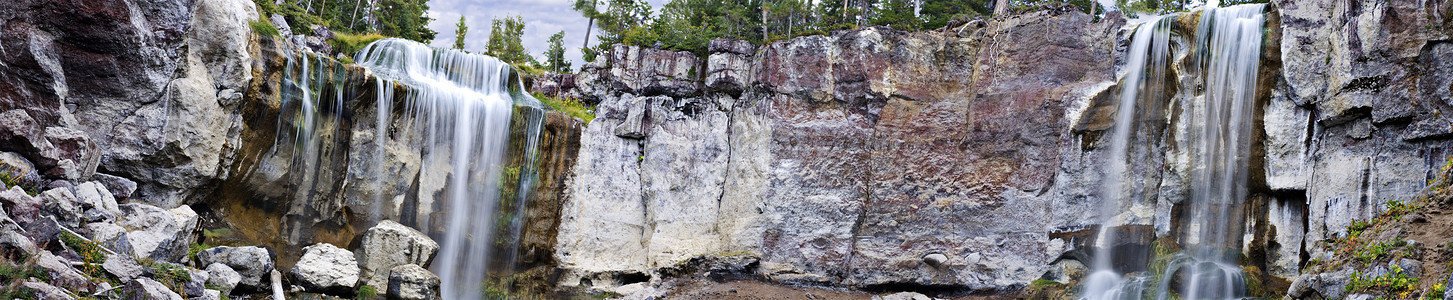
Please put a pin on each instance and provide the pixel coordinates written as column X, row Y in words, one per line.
column 466, row 104
column 449, row 109
column 1226, row 59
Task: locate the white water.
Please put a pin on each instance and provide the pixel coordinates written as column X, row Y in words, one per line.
column 1228, row 53
column 464, row 104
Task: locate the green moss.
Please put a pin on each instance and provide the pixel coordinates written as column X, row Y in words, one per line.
column 264, row 28
column 350, row 43
column 366, row 292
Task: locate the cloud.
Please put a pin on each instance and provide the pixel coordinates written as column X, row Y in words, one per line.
column 542, row 19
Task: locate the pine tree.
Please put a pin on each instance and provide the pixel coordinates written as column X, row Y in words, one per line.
column 555, row 55
column 460, row 30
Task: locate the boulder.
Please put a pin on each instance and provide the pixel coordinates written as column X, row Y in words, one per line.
column 16, row 166
column 412, row 282
column 76, row 146
column 253, row 264
column 327, row 268
column 123, row 267
column 120, row 187
column 146, row 288
column 157, row 233
column 222, row 277
column 97, row 196
column 64, row 206
column 62, row 274
column 109, row 235
column 45, row 291
column 23, row 207
column 388, row 245
column 15, row 244
column 20, row 133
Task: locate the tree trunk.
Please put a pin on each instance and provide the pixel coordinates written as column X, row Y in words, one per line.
column 589, row 25
column 1000, row 7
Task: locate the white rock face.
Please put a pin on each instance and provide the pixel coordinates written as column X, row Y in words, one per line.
column 98, row 196
column 157, row 233
column 253, row 264
column 327, row 267
column 388, row 245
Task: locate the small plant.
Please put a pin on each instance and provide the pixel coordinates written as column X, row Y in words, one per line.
column 366, row 292
column 264, row 28
column 1437, row 292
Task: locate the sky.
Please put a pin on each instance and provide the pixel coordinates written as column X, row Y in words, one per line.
column 542, row 19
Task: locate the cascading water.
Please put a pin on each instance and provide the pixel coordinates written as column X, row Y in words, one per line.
column 1227, row 56
column 450, row 108
column 466, row 101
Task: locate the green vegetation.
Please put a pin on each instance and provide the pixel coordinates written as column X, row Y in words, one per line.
column 1395, row 283
column 688, row 25
column 91, row 255
column 397, row 18
column 350, row 43
column 569, row 106
column 366, row 292
column 175, row 277
column 264, row 28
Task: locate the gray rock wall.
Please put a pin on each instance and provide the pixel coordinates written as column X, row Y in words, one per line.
column 851, row 157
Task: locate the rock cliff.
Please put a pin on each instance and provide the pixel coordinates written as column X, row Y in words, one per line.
column 962, row 159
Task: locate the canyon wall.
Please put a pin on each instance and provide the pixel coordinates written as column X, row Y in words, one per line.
column 965, row 158
column 971, row 157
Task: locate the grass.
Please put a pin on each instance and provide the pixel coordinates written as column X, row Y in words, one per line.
column 568, row 106
column 264, row 28
column 348, row 44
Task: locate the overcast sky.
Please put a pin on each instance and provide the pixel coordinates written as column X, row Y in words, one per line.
column 542, row 19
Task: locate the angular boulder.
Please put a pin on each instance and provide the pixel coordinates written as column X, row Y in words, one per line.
column 388, row 245
column 412, row 282
column 157, row 233
column 253, row 264
column 76, row 146
column 120, row 187
column 327, row 268
column 146, row 288
column 222, row 277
